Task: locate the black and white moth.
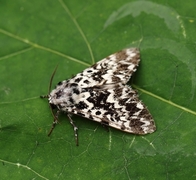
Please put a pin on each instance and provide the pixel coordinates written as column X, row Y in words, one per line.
column 100, row 93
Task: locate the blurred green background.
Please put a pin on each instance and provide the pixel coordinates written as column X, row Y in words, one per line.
column 35, row 36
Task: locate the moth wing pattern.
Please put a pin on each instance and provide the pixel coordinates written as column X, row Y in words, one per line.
column 116, row 68
column 117, row 107
column 100, row 93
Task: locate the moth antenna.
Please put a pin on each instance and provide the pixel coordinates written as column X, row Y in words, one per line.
column 54, row 116
column 50, row 85
column 51, row 79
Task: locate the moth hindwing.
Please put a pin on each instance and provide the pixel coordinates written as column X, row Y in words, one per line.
column 100, row 93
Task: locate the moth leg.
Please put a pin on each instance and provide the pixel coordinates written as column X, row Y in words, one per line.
column 75, row 128
column 54, row 122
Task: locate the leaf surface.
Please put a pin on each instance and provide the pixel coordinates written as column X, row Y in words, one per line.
column 35, row 37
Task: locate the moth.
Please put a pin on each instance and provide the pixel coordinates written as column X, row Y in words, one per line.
column 100, row 93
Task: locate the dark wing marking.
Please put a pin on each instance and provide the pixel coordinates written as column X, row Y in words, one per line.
column 118, row 107
column 116, row 68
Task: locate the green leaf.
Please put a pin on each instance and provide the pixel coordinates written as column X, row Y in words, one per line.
column 35, row 37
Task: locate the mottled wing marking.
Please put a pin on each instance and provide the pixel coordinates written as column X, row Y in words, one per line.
column 117, row 107
column 116, row 68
